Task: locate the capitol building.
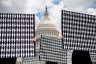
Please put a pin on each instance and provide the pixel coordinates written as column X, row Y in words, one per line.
column 46, row 28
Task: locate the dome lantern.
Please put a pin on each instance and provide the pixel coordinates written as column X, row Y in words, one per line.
column 46, row 14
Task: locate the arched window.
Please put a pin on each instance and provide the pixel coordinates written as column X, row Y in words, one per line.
column 52, row 32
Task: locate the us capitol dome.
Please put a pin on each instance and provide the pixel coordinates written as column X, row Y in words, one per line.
column 46, row 27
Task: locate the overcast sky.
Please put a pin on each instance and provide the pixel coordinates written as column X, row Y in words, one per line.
column 54, row 8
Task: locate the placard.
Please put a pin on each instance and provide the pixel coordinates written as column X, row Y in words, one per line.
column 16, row 33
column 51, row 50
column 79, row 31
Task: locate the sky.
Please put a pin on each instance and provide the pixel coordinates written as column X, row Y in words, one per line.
column 37, row 7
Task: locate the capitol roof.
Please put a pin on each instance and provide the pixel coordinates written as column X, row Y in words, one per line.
column 46, row 22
